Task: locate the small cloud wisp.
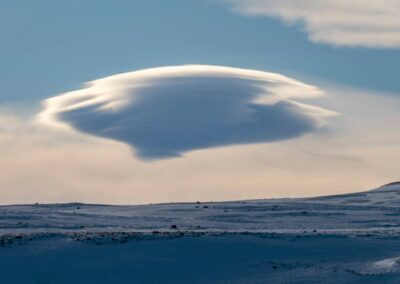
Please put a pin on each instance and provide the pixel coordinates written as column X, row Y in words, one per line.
column 354, row 23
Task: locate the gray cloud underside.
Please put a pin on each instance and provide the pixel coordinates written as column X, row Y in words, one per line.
column 164, row 112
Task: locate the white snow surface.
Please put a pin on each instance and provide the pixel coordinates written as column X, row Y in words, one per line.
column 377, row 209
column 351, row 238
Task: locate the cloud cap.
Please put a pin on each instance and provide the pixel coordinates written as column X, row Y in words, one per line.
column 166, row 111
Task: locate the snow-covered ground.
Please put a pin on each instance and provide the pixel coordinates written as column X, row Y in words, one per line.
column 353, row 238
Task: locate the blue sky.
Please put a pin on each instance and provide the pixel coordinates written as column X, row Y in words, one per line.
column 324, row 122
column 49, row 47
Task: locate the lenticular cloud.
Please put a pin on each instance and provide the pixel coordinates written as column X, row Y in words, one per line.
column 164, row 112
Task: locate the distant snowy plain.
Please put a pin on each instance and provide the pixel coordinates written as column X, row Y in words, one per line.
column 352, row 238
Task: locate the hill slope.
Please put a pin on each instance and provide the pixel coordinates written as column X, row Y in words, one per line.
column 352, row 238
column 377, row 209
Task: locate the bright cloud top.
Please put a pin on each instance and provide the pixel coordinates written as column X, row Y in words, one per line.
column 164, row 112
column 373, row 23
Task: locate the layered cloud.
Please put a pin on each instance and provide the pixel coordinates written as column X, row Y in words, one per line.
column 374, row 23
column 164, row 112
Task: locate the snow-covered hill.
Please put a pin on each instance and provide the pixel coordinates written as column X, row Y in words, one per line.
column 378, row 209
column 351, row 238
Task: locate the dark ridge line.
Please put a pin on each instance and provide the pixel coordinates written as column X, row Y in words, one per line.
column 392, row 183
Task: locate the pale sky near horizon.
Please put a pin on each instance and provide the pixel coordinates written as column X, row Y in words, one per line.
column 326, row 92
